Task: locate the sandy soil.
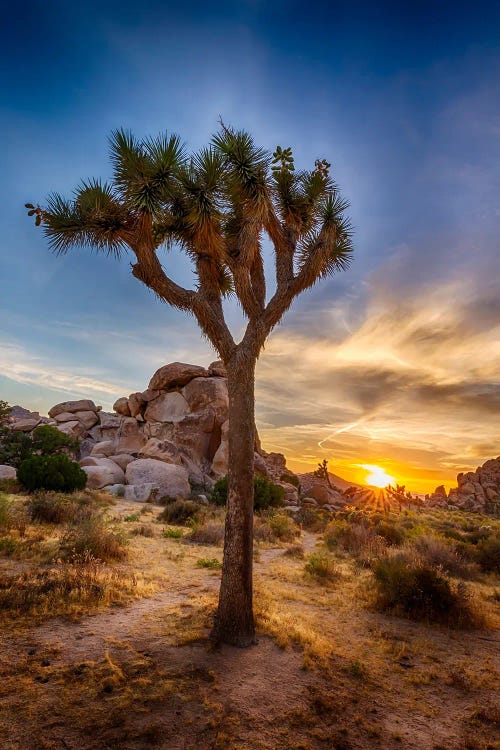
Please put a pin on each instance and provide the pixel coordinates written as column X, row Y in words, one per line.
column 146, row 675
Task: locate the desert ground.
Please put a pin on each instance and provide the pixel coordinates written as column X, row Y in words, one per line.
column 117, row 655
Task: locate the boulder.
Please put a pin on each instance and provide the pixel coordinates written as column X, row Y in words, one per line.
column 197, row 436
column 121, row 406
column 122, row 460
column 169, row 480
column 324, row 495
column 104, row 448
column 135, row 404
column 103, row 473
column 204, row 393
column 161, row 450
column 72, row 406
column 291, row 493
column 217, row 369
column 130, row 437
column 169, row 407
column 19, row 412
column 26, row 425
column 176, row 375
column 140, row 492
column 87, row 418
column 259, row 465
column 441, row 491
column 66, row 416
column 74, row 429
column 7, row 472
column 118, row 490
column 149, row 394
column 220, row 460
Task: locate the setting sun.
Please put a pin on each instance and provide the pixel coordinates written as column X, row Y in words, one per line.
column 377, row 477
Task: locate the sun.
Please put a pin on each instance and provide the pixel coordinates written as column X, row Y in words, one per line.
column 377, row 477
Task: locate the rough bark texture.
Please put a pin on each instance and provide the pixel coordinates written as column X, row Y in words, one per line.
column 234, row 622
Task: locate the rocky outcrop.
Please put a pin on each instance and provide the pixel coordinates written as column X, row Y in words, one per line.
column 477, row 491
column 158, row 440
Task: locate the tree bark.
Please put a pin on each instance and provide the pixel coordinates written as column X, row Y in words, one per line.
column 234, row 623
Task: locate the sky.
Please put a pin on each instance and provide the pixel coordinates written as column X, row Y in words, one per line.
column 395, row 362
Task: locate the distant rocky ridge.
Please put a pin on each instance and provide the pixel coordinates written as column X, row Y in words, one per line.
column 477, row 491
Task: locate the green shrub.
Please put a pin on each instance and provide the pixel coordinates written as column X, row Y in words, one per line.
column 7, row 546
column 295, row 550
column 488, row 554
column 321, row 566
column 48, row 440
column 15, row 446
column 56, row 472
column 173, row 533
column 209, row 562
column 291, row 479
column 266, row 493
column 283, row 527
column 4, row 512
column 132, row 517
column 415, row 589
column 179, row 511
column 312, row 519
column 92, row 537
column 392, row 534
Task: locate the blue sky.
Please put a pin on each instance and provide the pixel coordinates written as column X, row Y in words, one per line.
column 403, row 100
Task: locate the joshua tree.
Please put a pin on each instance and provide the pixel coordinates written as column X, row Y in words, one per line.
column 322, row 471
column 215, row 204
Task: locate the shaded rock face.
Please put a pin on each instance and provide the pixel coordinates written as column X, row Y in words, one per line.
column 180, row 422
column 477, row 491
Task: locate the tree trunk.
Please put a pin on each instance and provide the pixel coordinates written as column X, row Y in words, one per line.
column 234, row 622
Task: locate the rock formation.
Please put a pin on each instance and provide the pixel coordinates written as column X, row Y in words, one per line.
column 477, row 491
column 159, row 442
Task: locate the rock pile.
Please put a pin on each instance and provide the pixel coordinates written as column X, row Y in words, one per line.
column 163, row 441
column 477, row 491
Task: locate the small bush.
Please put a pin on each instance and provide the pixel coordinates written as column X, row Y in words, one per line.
column 415, row 589
column 145, row 529
column 132, row 517
column 488, row 554
column 283, row 527
column 295, row 550
column 7, row 546
column 173, row 533
column 13, row 516
column 51, row 507
column 266, row 493
column 209, row 562
column 392, row 534
column 210, row 532
column 179, row 511
column 56, row 472
column 291, row 479
column 440, row 554
column 10, row 486
column 93, row 538
column 321, row 567
column 312, row 519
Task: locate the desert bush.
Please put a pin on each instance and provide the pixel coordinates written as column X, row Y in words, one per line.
column 4, row 512
column 320, row 566
column 295, row 550
column 291, row 479
column 179, row 511
column 283, row 527
column 266, row 493
column 312, row 519
column 415, row 589
column 145, row 529
column 440, row 554
column 52, row 507
column 47, row 440
column 209, row 532
column 92, row 537
column 209, row 562
column 11, row 486
column 262, row 531
column 56, row 472
column 392, row 534
column 173, row 533
column 488, row 554
column 7, row 546
column 355, row 538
